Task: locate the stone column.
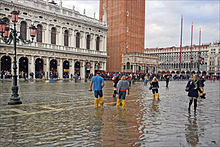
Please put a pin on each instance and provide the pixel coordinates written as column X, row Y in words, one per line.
column 105, row 43
column 72, row 67
column 73, row 39
column 94, row 42
column 104, row 66
column 82, row 70
column 60, row 69
column 47, row 35
column 47, row 71
column 59, row 36
column 93, row 68
column 32, row 66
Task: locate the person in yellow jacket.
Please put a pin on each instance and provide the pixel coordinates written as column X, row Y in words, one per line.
column 122, row 87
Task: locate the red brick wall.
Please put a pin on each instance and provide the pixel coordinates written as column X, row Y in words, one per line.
column 117, row 33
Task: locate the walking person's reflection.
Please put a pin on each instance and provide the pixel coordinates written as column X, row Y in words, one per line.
column 192, row 136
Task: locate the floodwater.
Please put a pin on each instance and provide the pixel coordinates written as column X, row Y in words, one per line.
column 62, row 114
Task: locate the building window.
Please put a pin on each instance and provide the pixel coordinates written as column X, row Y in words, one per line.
column 88, row 42
column 127, row 29
column 97, row 43
column 127, row 13
column 53, row 35
column 23, row 30
column 39, row 33
column 128, row 65
column 66, row 38
column 77, row 40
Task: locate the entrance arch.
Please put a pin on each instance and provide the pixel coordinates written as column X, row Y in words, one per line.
column 6, row 66
column 77, row 67
column 6, row 63
column 39, row 64
column 53, row 69
column 23, row 67
column 66, row 67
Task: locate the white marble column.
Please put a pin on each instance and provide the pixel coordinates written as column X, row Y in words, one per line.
column 94, row 42
column 47, row 35
column 72, row 67
column 93, row 68
column 82, row 70
column 59, row 36
column 105, row 44
column 47, row 71
column 32, row 66
column 104, row 64
column 60, row 69
column 73, row 40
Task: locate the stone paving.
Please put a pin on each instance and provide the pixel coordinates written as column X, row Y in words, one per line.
column 62, row 114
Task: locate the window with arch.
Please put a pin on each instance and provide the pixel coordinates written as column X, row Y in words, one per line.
column 97, row 43
column 128, row 65
column 53, row 35
column 88, row 38
column 39, row 33
column 66, row 38
column 23, row 30
column 77, row 40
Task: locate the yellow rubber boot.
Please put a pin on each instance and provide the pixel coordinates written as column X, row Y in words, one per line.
column 96, row 102
column 118, row 103
column 157, row 94
column 123, row 104
column 101, row 101
column 153, row 97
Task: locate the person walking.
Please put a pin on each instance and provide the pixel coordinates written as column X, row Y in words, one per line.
column 115, row 82
column 146, row 79
column 192, row 88
column 155, row 86
column 167, row 77
column 122, row 87
column 97, row 83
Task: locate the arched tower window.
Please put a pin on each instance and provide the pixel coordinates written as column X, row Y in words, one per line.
column 88, row 42
column 66, row 38
column 53, row 35
column 39, row 33
column 97, row 43
column 77, row 40
column 23, row 30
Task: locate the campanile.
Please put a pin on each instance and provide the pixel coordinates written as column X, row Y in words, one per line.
column 126, row 23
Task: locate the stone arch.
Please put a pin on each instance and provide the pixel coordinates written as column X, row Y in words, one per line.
column 23, row 66
column 39, row 68
column 66, row 67
column 77, row 67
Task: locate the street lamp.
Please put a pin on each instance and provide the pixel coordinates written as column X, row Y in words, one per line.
column 7, row 35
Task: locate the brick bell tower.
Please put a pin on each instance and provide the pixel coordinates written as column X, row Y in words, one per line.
column 126, row 22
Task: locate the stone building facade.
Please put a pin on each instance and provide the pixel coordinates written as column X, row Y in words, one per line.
column 169, row 58
column 67, row 42
column 139, row 63
column 126, row 22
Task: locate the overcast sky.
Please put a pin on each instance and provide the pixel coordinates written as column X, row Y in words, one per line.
column 162, row 20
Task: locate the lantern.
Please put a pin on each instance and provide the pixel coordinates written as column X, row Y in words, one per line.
column 6, row 33
column 2, row 26
column 33, row 30
column 14, row 16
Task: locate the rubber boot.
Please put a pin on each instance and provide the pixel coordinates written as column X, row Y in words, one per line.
column 118, row 103
column 101, row 102
column 153, row 97
column 123, row 104
column 96, row 102
column 157, row 94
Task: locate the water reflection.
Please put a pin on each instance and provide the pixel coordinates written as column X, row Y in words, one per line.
column 155, row 106
column 192, row 136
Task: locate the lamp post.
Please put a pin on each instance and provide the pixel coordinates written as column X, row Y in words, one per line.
column 8, row 35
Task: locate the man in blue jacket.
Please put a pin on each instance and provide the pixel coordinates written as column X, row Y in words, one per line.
column 97, row 83
column 192, row 88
